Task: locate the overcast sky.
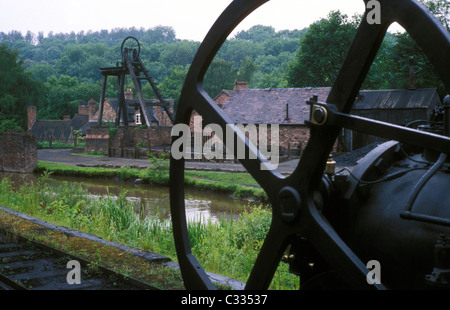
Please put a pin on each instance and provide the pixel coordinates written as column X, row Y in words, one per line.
column 191, row 19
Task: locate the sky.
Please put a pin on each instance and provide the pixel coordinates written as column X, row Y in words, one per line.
column 191, row 19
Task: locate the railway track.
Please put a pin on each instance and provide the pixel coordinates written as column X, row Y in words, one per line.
column 29, row 265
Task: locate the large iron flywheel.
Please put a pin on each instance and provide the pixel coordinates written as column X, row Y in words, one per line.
column 294, row 212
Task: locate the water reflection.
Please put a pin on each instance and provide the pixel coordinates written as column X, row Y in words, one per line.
column 154, row 200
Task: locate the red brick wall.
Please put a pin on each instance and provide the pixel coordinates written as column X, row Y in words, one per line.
column 18, row 153
column 31, row 116
column 295, row 136
column 98, row 139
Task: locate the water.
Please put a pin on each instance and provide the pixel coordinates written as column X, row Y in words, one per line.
column 151, row 200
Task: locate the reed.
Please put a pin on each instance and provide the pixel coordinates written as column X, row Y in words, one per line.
column 227, row 247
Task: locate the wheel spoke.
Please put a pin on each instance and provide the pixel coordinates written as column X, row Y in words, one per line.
column 268, row 260
column 392, row 132
column 270, row 180
column 316, row 229
column 294, row 211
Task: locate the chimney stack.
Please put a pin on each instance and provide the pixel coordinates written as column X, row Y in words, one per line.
column 129, row 93
column 83, row 109
column 31, row 115
column 240, row 85
column 92, row 106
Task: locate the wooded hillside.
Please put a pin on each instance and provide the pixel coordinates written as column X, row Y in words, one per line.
column 58, row 71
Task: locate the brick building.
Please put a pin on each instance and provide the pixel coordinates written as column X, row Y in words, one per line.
column 285, row 107
column 57, row 130
column 288, row 109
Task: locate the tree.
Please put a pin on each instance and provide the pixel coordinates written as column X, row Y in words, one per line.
column 406, row 52
column 180, row 53
column 257, row 33
column 322, row 51
column 247, row 70
column 172, row 85
column 381, row 75
column 440, row 9
column 159, row 34
column 235, row 51
column 63, row 95
column 221, row 75
column 17, row 90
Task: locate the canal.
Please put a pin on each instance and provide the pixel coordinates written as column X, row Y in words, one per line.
column 149, row 200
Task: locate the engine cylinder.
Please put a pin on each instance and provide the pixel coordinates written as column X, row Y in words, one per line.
column 386, row 224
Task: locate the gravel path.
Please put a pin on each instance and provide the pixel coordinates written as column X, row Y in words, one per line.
column 66, row 157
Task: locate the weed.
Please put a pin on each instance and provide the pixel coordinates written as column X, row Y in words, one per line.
column 226, row 247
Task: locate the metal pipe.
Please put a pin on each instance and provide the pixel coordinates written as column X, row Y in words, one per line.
column 424, row 179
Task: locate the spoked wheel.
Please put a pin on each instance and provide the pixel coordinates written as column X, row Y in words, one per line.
column 132, row 47
column 294, row 213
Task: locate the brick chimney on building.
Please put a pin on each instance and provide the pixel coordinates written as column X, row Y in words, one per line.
column 31, row 115
column 92, row 106
column 240, row 85
column 129, row 93
column 83, row 109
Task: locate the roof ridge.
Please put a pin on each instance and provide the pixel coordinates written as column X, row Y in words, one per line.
column 286, row 88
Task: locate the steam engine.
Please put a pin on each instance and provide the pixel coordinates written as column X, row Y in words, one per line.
column 394, row 208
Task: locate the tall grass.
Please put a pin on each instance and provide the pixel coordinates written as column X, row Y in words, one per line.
column 227, row 247
column 240, row 185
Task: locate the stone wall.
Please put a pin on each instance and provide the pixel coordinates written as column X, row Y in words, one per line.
column 18, row 152
column 99, row 139
column 293, row 138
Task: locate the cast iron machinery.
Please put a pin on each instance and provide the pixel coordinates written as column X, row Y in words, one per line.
column 393, row 208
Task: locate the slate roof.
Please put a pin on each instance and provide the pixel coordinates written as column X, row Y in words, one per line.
column 61, row 129
column 132, row 110
column 423, row 98
column 268, row 106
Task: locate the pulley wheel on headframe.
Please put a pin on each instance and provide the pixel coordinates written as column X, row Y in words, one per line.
column 294, row 212
column 132, row 46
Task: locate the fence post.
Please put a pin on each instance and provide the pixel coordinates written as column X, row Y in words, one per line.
column 109, row 147
column 289, row 150
column 121, row 147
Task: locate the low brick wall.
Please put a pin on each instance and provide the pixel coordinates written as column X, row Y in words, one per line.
column 18, row 152
column 99, row 140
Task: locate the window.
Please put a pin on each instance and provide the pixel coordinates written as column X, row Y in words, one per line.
column 138, row 119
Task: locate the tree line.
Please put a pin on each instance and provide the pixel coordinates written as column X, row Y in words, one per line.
column 59, row 71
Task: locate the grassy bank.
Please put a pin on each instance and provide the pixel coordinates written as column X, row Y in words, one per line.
column 227, row 247
column 240, row 185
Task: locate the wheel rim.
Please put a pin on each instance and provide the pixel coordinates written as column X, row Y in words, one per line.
column 299, row 187
column 131, row 44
